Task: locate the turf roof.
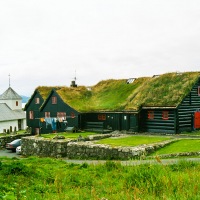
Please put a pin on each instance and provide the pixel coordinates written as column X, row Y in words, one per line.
column 116, row 95
column 166, row 90
column 46, row 90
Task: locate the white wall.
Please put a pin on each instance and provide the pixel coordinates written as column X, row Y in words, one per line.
column 14, row 123
column 12, row 104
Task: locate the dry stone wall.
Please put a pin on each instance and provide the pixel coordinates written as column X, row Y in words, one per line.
column 9, row 138
column 79, row 149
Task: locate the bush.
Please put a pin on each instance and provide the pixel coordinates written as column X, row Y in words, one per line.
column 16, row 168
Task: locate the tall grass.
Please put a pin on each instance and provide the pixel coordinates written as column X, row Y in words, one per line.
column 35, row 178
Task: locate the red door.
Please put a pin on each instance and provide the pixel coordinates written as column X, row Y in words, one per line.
column 197, row 120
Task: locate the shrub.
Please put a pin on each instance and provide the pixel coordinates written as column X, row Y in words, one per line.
column 16, row 168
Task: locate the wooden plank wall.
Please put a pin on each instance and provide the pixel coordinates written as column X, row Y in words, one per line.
column 189, row 105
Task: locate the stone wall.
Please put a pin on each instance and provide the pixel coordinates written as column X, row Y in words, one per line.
column 78, row 149
column 9, row 138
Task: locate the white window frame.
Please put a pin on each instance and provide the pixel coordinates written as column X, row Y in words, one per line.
column 47, row 114
column 37, row 100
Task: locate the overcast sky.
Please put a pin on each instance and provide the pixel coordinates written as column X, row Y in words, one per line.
column 43, row 42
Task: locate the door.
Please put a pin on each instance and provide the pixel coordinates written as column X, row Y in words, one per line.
column 197, row 120
column 125, row 122
column 133, row 123
column 19, row 124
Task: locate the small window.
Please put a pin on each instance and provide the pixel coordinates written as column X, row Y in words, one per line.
column 37, row 100
column 54, row 100
column 101, row 117
column 61, row 115
column 31, row 114
column 17, row 103
column 165, row 115
column 47, row 114
column 72, row 115
column 198, row 90
column 150, row 114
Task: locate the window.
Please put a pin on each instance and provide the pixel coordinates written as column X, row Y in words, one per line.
column 101, row 117
column 54, row 100
column 31, row 114
column 198, row 90
column 47, row 114
column 61, row 115
column 165, row 115
column 72, row 115
column 150, row 114
column 17, row 103
column 37, row 100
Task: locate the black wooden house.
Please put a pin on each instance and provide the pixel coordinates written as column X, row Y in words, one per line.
column 168, row 103
column 180, row 111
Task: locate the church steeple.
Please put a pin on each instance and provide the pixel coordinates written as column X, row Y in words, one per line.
column 11, row 98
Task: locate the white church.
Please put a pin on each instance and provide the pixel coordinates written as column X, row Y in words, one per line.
column 12, row 116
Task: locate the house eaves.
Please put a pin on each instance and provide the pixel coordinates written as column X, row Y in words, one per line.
column 7, row 114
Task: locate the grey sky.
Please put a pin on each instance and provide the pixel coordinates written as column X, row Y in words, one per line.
column 43, row 42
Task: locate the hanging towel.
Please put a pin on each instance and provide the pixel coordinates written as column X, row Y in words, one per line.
column 53, row 124
column 48, row 121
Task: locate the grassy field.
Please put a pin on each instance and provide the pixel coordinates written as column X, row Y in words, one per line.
column 184, row 145
column 44, row 179
column 132, row 140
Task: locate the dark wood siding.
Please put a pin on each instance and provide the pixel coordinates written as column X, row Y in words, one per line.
column 158, row 124
column 34, row 123
column 186, row 109
column 60, row 106
column 112, row 120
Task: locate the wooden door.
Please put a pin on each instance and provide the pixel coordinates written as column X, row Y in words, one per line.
column 197, row 120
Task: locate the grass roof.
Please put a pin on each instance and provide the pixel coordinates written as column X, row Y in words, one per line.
column 116, row 95
column 166, row 90
column 107, row 95
column 45, row 90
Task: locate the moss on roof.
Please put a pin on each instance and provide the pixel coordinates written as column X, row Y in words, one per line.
column 45, row 90
column 107, row 95
column 166, row 90
column 116, row 95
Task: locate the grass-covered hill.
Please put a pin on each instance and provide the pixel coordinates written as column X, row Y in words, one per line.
column 116, row 95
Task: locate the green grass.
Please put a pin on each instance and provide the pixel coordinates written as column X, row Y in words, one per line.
column 45, row 178
column 68, row 135
column 193, row 133
column 132, row 140
column 183, row 145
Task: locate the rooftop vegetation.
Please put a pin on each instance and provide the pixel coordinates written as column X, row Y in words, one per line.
column 165, row 90
column 116, row 95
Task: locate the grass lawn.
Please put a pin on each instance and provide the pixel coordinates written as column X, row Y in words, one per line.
column 184, row 145
column 46, row 179
column 132, row 140
column 68, row 135
column 194, row 133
